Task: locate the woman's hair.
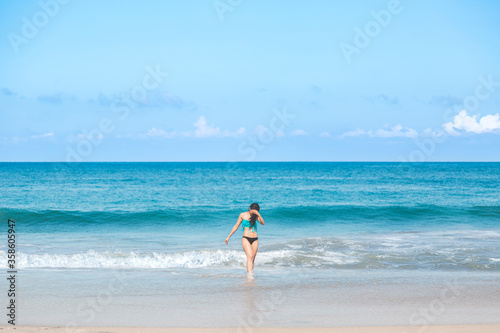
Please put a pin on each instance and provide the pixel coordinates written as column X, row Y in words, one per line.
column 253, row 217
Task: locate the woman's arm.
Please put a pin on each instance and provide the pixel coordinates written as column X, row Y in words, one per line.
column 236, row 226
column 259, row 217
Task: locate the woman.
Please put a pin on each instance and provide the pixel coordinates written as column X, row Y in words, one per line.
column 250, row 240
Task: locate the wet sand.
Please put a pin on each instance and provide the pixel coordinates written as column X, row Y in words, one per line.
column 490, row 328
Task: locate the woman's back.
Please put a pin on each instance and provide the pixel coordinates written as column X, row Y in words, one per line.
column 247, row 224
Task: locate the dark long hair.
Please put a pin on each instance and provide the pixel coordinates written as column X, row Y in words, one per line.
column 253, row 217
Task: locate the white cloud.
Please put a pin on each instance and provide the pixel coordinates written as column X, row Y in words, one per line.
column 325, row 135
column 237, row 133
column 161, row 133
column 298, row 132
column 46, row 135
column 154, row 132
column 436, row 134
column 396, row 131
column 261, row 130
column 428, row 132
column 266, row 132
column 356, row 132
column 463, row 122
column 203, row 130
column 17, row 139
column 81, row 136
column 392, row 132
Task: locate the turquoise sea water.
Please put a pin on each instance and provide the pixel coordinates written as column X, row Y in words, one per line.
column 166, row 223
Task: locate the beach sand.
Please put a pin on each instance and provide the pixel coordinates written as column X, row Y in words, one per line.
column 489, row 328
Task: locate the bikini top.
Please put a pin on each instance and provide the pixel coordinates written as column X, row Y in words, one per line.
column 246, row 224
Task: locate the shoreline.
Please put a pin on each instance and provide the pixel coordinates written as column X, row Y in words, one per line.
column 483, row 328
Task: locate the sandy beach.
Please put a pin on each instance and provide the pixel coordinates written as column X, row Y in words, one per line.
column 491, row 328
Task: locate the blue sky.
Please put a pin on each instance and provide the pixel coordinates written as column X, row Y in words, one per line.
column 249, row 80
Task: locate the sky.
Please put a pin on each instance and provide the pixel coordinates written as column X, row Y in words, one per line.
column 235, row 80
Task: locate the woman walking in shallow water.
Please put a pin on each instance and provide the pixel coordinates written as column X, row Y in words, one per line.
column 250, row 241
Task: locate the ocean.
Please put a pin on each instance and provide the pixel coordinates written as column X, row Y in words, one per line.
column 346, row 243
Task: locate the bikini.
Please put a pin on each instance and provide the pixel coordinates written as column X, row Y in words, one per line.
column 246, row 224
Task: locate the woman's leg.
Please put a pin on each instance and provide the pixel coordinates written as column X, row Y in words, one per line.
column 249, row 252
column 255, row 247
